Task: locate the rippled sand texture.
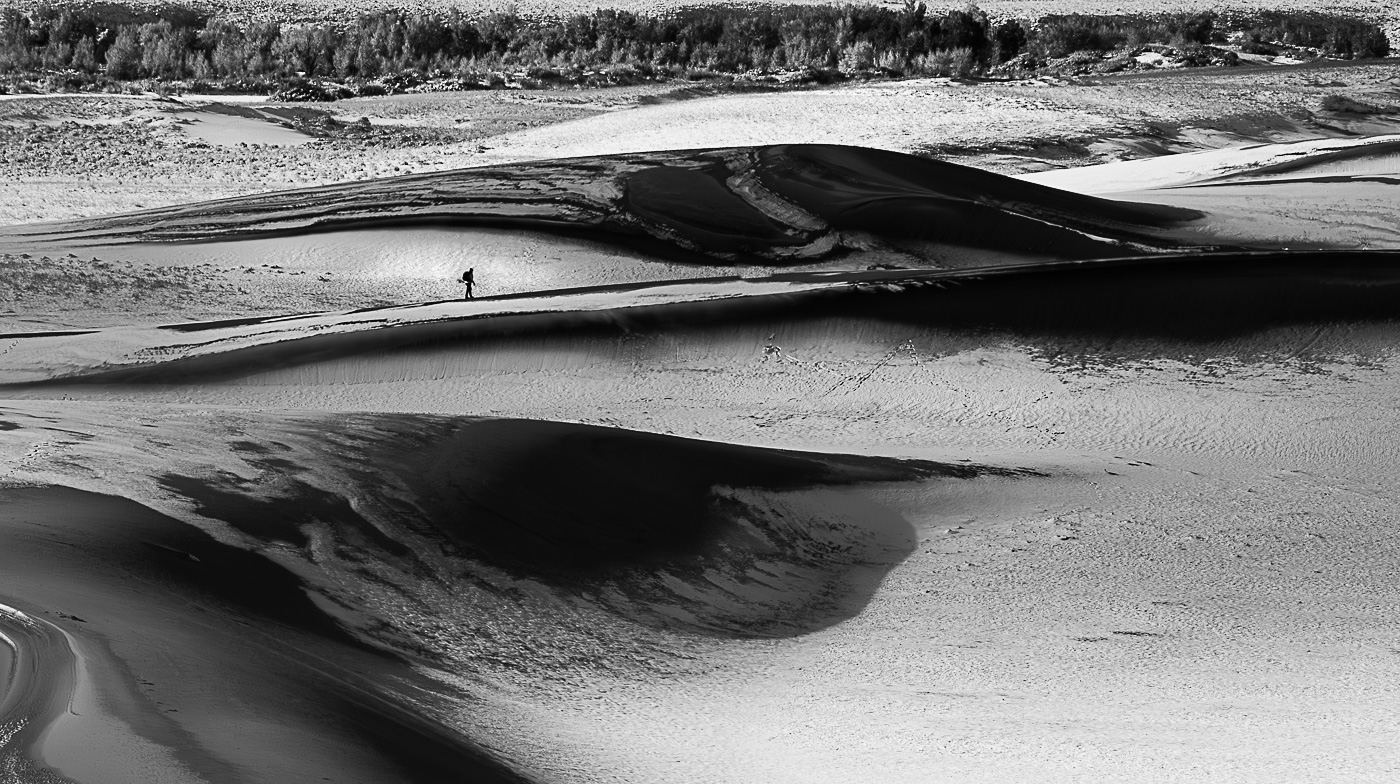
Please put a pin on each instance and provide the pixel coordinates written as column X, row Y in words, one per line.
column 772, row 204
column 796, row 463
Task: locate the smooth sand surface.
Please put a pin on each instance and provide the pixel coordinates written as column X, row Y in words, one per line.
column 1370, row 156
column 1319, row 193
column 231, row 131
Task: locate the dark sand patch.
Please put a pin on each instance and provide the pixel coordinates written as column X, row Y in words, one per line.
column 778, row 204
column 215, row 653
column 1201, row 297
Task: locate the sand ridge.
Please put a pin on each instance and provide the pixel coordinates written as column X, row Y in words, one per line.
column 79, row 171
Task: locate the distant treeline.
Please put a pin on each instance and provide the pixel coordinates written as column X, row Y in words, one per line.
column 112, row 43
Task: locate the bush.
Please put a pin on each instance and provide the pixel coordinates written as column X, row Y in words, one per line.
column 304, row 90
column 821, row 76
column 123, row 57
column 1115, row 64
column 1061, row 36
column 177, row 43
column 1334, row 35
column 1342, row 103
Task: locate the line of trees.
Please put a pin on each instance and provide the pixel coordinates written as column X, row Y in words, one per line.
column 177, row 43
column 1332, row 35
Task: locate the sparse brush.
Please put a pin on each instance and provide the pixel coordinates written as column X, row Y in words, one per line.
column 1342, row 103
column 81, row 49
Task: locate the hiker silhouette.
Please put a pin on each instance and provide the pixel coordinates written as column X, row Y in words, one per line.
column 468, row 280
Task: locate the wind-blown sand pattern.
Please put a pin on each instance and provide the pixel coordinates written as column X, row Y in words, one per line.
column 764, row 464
column 799, row 202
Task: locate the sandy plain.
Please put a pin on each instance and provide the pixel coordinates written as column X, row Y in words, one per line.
column 1095, row 522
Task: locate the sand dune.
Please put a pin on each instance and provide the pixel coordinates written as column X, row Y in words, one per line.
column 773, row 204
column 1368, row 156
column 1316, row 193
column 1210, row 294
column 792, row 463
column 202, row 612
column 645, row 545
column 800, row 205
column 761, row 606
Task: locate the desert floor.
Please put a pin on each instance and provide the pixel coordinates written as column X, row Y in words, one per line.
column 1118, row 536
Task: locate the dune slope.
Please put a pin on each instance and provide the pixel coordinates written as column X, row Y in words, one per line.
column 1203, row 294
column 778, row 204
column 340, row 567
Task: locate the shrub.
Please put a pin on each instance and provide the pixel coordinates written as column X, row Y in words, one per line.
column 175, row 43
column 124, row 55
column 1010, row 39
column 1115, row 64
column 1342, row 103
column 946, row 62
column 309, row 91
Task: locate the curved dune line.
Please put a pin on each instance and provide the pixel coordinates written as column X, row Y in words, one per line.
column 643, row 545
column 41, row 682
column 1355, row 157
column 230, row 635
column 1354, row 160
column 110, row 350
column 772, row 204
column 1153, row 294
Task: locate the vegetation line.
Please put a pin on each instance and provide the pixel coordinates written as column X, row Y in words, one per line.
column 114, row 47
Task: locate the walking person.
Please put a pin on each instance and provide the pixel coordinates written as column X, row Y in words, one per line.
column 468, row 280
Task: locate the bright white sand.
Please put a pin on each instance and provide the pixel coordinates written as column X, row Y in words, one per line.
column 1307, row 194
column 231, row 131
column 1369, row 156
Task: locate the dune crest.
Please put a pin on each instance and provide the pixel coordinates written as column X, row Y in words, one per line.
column 1173, row 295
column 364, row 559
column 778, row 204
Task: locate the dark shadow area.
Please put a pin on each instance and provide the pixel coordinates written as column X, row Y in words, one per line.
column 1195, row 297
column 1199, row 297
column 279, row 518
column 413, row 743
column 700, row 208
column 580, row 502
column 677, row 533
column 54, row 334
column 214, row 628
column 895, row 193
column 200, row 326
column 671, row 533
column 191, row 562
